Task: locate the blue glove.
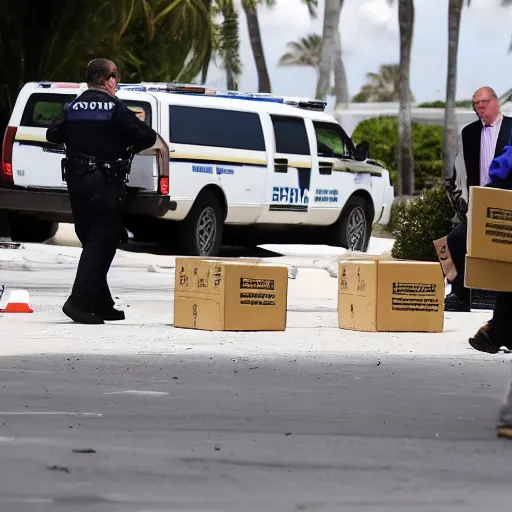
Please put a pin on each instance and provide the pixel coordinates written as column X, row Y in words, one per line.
column 501, row 166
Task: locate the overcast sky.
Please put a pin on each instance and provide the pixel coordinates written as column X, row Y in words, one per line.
column 369, row 35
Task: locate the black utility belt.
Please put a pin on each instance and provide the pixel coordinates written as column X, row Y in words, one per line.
column 80, row 166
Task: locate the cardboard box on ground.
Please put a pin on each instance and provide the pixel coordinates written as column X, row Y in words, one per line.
column 219, row 295
column 390, row 295
column 489, row 242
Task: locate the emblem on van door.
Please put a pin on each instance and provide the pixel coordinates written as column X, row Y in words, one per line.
column 291, row 195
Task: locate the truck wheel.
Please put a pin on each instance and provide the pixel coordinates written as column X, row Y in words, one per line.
column 202, row 229
column 24, row 228
column 354, row 228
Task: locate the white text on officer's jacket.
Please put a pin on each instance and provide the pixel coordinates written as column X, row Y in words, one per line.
column 93, row 105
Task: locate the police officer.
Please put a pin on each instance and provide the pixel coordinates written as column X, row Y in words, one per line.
column 101, row 135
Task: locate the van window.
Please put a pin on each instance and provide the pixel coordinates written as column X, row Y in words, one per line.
column 216, row 127
column 142, row 110
column 330, row 141
column 291, row 135
column 43, row 109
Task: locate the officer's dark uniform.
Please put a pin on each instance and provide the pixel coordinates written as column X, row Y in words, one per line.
column 97, row 129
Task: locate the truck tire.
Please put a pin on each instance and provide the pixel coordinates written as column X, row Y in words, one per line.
column 203, row 226
column 24, row 228
column 353, row 229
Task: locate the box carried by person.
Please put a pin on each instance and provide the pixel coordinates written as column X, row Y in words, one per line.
column 489, row 241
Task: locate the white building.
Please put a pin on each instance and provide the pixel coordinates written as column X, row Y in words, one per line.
column 356, row 112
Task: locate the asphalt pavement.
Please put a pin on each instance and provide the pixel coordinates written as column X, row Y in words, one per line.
column 142, row 417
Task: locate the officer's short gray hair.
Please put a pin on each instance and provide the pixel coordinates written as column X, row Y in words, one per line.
column 99, row 71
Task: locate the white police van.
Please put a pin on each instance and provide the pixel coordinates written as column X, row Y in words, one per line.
column 273, row 167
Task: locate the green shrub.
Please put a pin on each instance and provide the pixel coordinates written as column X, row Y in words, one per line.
column 421, row 221
column 397, row 211
column 442, row 104
column 382, row 134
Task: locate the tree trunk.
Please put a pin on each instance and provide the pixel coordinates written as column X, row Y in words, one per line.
column 331, row 27
column 340, row 76
column 231, row 81
column 405, row 177
column 450, row 121
column 257, row 47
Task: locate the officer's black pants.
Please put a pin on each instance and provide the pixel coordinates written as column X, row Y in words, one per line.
column 501, row 325
column 457, row 246
column 98, row 218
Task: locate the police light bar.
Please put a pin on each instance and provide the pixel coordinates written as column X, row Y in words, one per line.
column 128, row 87
column 306, row 103
column 173, row 87
column 251, row 96
column 59, row 85
column 170, row 87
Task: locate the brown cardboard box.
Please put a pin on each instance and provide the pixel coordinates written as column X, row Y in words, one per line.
column 391, row 296
column 490, row 224
column 445, row 258
column 216, row 295
column 357, row 295
column 484, row 274
column 354, row 255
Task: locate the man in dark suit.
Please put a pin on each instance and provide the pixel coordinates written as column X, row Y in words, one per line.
column 479, row 143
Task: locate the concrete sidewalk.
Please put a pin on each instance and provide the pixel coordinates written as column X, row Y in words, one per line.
column 148, row 300
column 314, row 418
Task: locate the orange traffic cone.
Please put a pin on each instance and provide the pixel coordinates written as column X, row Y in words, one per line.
column 17, row 301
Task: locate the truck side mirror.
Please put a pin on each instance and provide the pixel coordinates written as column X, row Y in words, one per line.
column 362, row 151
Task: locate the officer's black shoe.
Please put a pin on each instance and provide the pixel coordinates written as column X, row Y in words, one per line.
column 110, row 315
column 482, row 340
column 80, row 317
column 454, row 304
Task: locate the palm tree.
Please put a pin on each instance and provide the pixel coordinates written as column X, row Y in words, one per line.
column 250, row 9
column 154, row 40
column 307, row 52
column 253, row 26
column 330, row 29
column 227, row 41
column 450, row 121
column 383, row 86
column 405, row 159
column 332, row 57
column 507, row 3
column 340, row 75
column 304, row 53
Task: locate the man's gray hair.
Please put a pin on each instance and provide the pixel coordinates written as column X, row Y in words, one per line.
column 99, row 71
column 490, row 90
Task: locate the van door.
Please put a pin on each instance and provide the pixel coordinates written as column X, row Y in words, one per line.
column 36, row 162
column 288, row 186
column 144, row 171
column 331, row 184
column 367, row 176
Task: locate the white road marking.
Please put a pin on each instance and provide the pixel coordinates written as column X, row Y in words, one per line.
column 36, row 501
column 134, row 392
column 31, row 440
column 48, row 413
column 23, row 371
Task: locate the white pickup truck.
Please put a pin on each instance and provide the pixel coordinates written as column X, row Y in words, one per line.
column 274, row 167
